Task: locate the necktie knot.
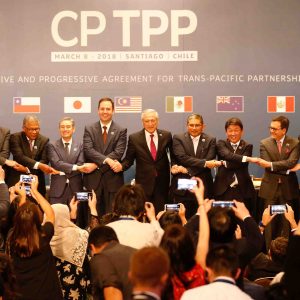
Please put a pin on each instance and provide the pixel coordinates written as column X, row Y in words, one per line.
column 67, row 148
column 234, row 146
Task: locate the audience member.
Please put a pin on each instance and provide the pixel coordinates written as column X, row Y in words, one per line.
column 195, row 152
column 104, row 142
column 69, row 247
column 130, row 206
column 187, row 261
column 223, row 269
column 109, row 265
column 148, row 272
column 150, row 148
column 29, row 247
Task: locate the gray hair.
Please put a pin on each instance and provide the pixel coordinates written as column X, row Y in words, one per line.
column 67, row 119
column 29, row 118
column 148, row 111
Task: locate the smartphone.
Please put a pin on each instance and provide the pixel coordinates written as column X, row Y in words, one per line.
column 219, row 203
column 174, row 207
column 186, row 184
column 27, row 190
column 278, row 209
column 83, row 196
column 26, row 178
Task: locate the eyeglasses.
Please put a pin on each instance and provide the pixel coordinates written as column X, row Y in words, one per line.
column 32, row 129
column 274, row 129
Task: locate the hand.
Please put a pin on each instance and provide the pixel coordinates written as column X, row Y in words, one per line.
column 87, row 168
column 2, row 174
column 290, row 216
column 181, row 213
column 174, row 169
column 212, row 164
column 45, row 168
column 12, row 193
column 20, row 168
column 158, row 216
column 207, row 205
column 20, row 190
column 93, row 204
column 266, row 216
column 10, row 163
column 54, row 172
column 240, row 210
column 198, row 190
column 238, row 233
column 252, row 159
column 150, row 211
column 263, row 163
column 117, row 167
column 295, row 168
column 73, row 208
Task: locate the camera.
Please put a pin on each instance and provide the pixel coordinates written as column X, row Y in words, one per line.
column 83, row 196
column 278, row 209
column 27, row 190
column 26, row 178
column 186, row 184
column 174, row 207
column 218, row 203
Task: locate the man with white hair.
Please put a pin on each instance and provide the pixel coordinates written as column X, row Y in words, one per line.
column 150, row 149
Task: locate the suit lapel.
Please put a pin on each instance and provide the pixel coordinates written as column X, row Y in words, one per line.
column 201, row 143
column 110, row 136
column 145, row 145
column 190, row 145
column 27, row 150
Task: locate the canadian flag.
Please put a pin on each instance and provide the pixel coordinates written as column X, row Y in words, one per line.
column 281, row 104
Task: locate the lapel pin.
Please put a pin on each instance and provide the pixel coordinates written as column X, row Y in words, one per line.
column 203, row 140
column 112, row 133
column 34, row 147
column 75, row 149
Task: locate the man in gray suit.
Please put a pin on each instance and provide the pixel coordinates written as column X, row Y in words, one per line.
column 66, row 156
column 104, row 144
column 279, row 153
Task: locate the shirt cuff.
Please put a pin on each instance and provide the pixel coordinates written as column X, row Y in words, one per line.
column 244, row 159
column 246, row 218
column 74, row 168
column 2, row 181
column 271, row 166
column 36, row 165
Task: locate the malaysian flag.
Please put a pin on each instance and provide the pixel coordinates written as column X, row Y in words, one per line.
column 128, row 104
column 230, row 103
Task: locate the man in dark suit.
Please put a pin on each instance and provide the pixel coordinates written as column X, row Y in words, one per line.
column 233, row 180
column 150, row 148
column 66, row 156
column 28, row 148
column 279, row 153
column 194, row 151
column 104, row 143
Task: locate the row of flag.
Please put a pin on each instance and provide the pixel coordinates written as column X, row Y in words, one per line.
column 133, row 104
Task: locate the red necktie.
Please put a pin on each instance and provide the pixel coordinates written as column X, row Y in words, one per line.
column 279, row 146
column 104, row 134
column 152, row 147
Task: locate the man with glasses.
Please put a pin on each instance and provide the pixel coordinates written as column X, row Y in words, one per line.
column 279, row 153
column 28, row 148
column 194, row 153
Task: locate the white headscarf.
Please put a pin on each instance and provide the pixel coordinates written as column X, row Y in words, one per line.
column 69, row 242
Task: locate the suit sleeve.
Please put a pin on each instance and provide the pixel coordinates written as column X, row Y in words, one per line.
column 55, row 160
column 183, row 158
column 128, row 161
column 4, row 200
column 281, row 165
column 233, row 160
column 4, row 151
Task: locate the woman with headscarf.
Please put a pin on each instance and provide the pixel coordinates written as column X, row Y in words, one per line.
column 69, row 245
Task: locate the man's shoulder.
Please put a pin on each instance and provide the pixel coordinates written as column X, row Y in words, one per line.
column 4, row 130
column 92, row 125
column 117, row 126
column 207, row 137
column 42, row 138
column 291, row 140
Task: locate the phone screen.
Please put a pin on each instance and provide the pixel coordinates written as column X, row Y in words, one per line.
column 186, row 184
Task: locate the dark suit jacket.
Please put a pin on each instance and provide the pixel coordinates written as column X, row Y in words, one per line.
column 4, row 208
column 149, row 171
column 234, row 165
column 282, row 162
column 4, row 145
column 185, row 156
column 60, row 161
column 22, row 154
column 96, row 151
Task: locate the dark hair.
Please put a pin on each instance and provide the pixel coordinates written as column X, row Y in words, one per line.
column 101, row 235
column 169, row 218
column 223, row 260
column 24, row 240
column 108, row 100
column 234, row 121
column 194, row 116
column 222, row 223
column 148, row 265
column 129, row 200
column 179, row 245
column 278, row 248
column 284, row 122
column 8, row 281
